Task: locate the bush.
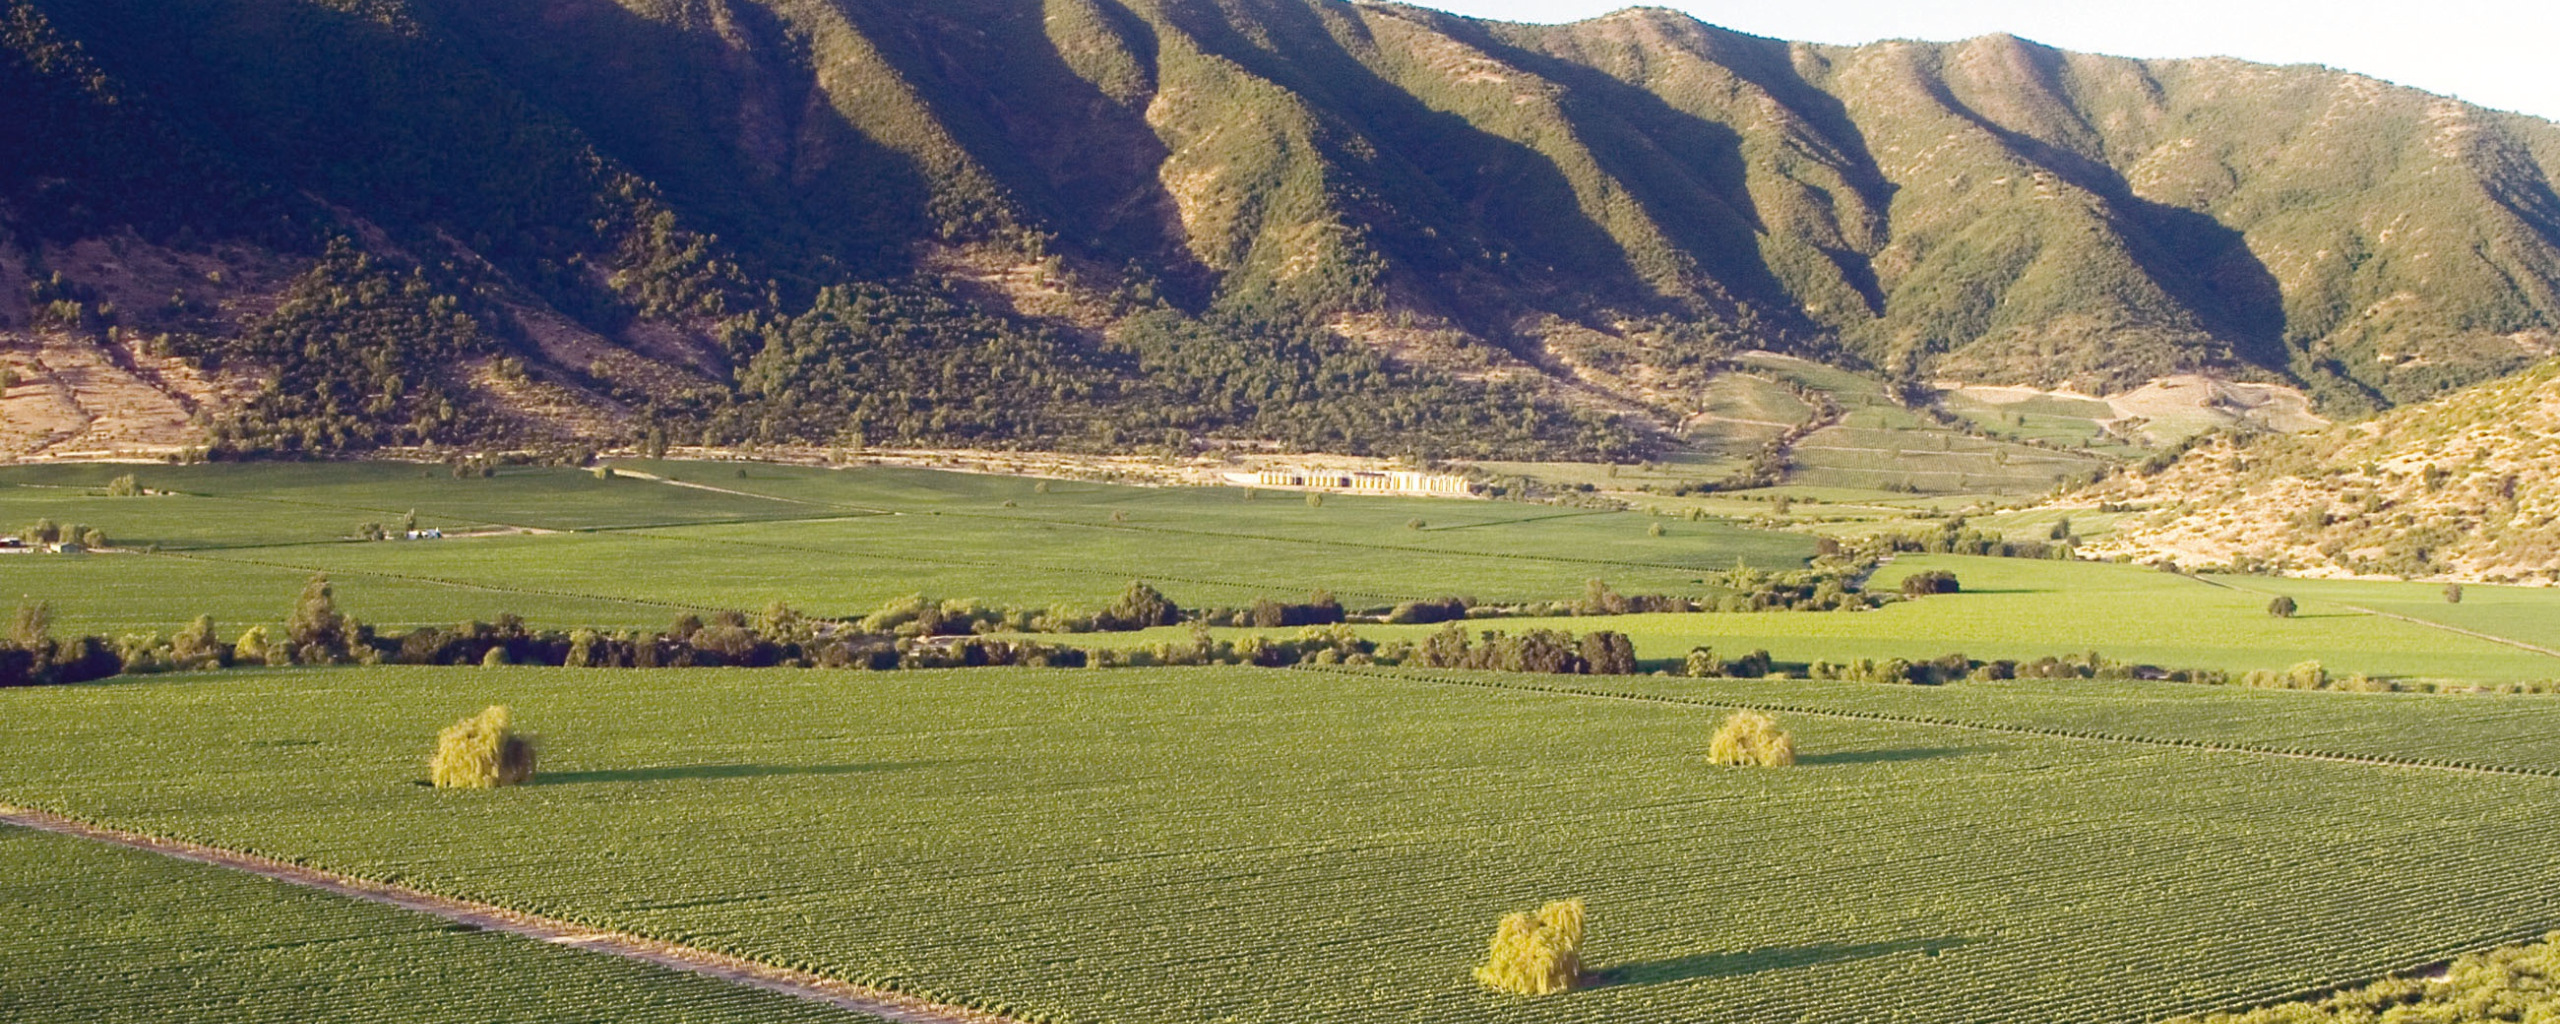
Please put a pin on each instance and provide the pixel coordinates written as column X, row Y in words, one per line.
column 2282, row 607
column 1536, row 954
column 1935, row 581
column 483, row 751
column 1752, row 739
column 2453, row 593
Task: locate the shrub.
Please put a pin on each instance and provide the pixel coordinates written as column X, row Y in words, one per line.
column 1935, row 581
column 124, row 487
column 1752, row 739
column 483, row 751
column 1654, row 530
column 1703, row 664
column 2282, row 607
column 1536, row 954
column 2453, row 593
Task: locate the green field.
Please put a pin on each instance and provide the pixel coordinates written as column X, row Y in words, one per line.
column 1249, row 845
column 104, row 935
column 633, row 553
column 2024, row 609
column 2527, row 614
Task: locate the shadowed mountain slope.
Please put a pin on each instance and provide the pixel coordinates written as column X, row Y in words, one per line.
column 320, row 225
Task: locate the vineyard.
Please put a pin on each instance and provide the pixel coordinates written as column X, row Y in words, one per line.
column 2026, row 609
column 1259, row 846
column 565, row 548
column 578, row 550
column 99, row 935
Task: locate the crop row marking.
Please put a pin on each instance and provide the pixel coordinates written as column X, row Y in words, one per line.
column 429, row 580
column 2410, row 619
column 2378, row 760
column 888, row 1006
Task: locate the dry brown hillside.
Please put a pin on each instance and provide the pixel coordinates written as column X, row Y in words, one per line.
column 2463, row 488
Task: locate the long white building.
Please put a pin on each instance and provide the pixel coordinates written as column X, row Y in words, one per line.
column 1358, row 481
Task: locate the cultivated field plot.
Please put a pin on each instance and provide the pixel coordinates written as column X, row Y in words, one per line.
column 104, row 935
column 632, row 552
column 2526, row 614
column 2025, row 609
column 2513, row 732
column 1264, row 846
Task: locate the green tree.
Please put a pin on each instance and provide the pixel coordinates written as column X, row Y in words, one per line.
column 124, row 487
column 197, row 645
column 2282, row 607
column 1536, row 954
column 483, row 751
column 1751, row 739
column 316, row 631
column 31, row 626
column 1139, row 607
column 2453, row 593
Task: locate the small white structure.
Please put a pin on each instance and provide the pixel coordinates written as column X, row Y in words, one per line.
column 430, row 533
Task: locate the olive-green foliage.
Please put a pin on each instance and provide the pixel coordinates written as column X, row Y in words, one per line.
column 483, row 751
column 2508, row 985
column 2282, row 607
column 1229, row 184
column 360, row 354
column 1536, row 954
column 1751, row 739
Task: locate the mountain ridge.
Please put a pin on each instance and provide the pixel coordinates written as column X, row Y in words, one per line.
column 1363, row 226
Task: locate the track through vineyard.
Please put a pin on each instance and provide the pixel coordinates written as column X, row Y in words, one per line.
column 887, row 1006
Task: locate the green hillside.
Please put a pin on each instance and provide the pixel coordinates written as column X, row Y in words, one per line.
column 1107, row 223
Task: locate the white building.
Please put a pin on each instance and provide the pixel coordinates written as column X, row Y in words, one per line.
column 1358, row 481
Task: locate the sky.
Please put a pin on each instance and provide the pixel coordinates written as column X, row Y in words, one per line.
column 2504, row 55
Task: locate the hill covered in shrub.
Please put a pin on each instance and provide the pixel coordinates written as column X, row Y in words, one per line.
column 2466, row 488
column 1113, row 223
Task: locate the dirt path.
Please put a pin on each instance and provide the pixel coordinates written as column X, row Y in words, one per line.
column 2410, row 619
column 887, row 1006
column 654, row 478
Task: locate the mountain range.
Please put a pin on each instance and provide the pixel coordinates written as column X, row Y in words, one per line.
column 310, row 226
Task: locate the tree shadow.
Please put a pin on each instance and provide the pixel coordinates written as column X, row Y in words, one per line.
column 1699, row 966
column 1892, row 756
column 673, row 772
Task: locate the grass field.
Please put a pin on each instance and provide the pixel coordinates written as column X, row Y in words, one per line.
column 2025, row 609
column 103, row 935
column 632, row 552
column 1250, row 846
column 2528, row 614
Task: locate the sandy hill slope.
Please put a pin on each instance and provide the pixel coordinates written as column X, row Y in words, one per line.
column 2464, row 488
column 1121, row 222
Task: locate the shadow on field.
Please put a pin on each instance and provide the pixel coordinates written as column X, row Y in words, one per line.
column 1774, row 958
column 1894, row 756
column 667, row 773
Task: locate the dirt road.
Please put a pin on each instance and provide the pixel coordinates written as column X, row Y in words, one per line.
column 887, row 1006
